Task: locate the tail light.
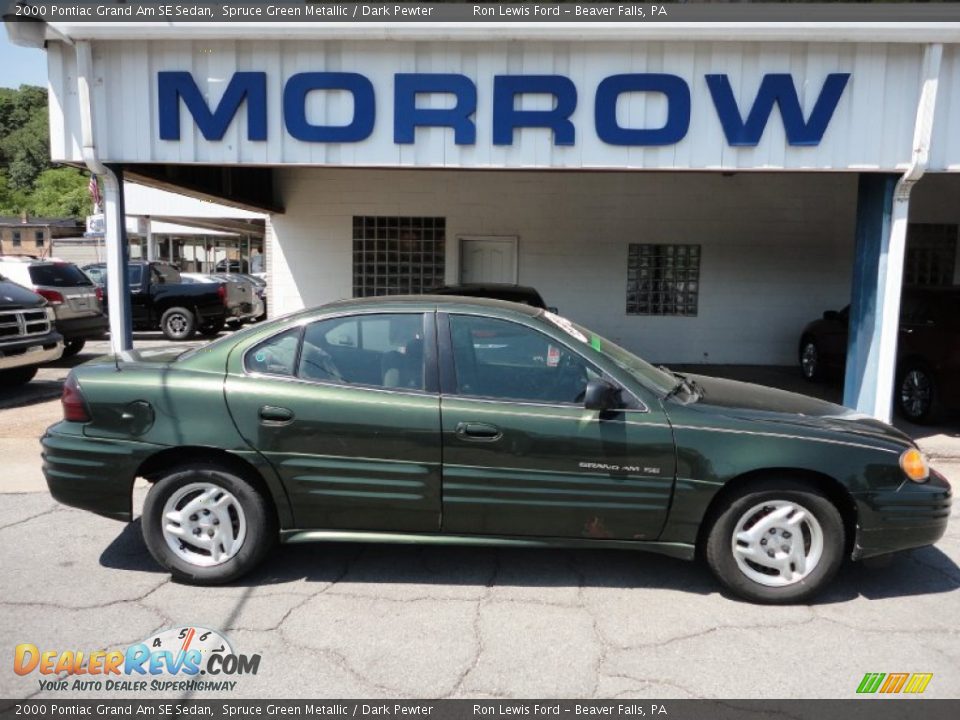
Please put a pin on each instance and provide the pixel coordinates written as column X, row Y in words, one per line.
column 52, row 296
column 99, row 294
column 74, row 406
column 222, row 292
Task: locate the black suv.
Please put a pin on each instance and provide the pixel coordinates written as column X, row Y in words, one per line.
column 27, row 335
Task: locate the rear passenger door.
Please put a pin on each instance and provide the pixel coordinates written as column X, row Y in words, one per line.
column 347, row 411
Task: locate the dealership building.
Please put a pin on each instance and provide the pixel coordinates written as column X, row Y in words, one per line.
column 695, row 192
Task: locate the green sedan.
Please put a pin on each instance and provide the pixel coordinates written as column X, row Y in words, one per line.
column 432, row 419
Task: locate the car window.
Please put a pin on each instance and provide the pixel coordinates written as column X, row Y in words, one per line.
column 275, row 356
column 382, row 350
column 505, row 360
column 59, row 275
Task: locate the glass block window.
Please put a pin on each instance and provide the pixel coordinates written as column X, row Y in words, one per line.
column 931, row 254
column 397, row 255
column 663, row 279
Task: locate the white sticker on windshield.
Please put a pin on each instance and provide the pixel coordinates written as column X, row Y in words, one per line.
column 565, row 325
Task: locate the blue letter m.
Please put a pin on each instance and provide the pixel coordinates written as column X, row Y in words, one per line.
column 777, row 88
column 172, row 86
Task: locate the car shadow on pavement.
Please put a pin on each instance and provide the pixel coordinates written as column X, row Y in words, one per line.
column 924, row 572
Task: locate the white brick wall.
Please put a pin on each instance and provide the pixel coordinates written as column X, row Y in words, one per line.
column 777, row 248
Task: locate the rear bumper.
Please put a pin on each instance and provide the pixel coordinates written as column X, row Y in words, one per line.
column 84, row 328
column 911, row 516
column 35, row 351
column 91, row 473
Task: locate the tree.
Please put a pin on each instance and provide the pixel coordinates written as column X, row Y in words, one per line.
column 28, row 181
column 60, row 192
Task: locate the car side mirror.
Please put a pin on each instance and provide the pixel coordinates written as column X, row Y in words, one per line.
column 601, row 396
column 831, row 315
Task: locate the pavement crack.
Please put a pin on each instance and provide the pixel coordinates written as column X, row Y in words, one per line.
column 475, row 626
column 97, row 606
column 48, row 511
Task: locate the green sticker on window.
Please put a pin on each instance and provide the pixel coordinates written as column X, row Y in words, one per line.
column 595, row 342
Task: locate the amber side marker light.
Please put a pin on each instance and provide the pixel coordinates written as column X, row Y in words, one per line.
column 915, row 465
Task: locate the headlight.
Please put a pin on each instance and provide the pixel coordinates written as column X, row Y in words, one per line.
column 50, row 314
column 915, row 466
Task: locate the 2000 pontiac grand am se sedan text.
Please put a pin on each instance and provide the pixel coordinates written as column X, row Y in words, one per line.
column 454, row 420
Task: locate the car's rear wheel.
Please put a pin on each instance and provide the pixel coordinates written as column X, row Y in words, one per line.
column 916, row 394
column 178, row 324
column 17, row 376
column 810, row 360
column 776, row 542
column 207, row 525
column 73, row 347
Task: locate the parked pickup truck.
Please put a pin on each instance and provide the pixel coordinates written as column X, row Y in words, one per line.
column 160, row 299
column 27, row 335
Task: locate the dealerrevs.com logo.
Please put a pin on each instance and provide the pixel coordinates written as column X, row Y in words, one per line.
column 175, row 660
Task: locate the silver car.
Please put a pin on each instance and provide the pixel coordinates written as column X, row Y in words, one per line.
column 76, row 300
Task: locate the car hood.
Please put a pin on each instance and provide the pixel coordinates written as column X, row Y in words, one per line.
column 14, row 296
column 758, row 402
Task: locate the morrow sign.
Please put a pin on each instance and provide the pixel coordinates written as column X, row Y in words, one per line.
column 743, row 125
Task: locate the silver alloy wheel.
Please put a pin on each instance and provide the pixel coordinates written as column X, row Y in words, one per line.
column 809, row 359
column 915, row 393
column 204, row 524
column 777, row 543
column 177, row 323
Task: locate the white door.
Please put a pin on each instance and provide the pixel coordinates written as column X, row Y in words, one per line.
column 488, row 260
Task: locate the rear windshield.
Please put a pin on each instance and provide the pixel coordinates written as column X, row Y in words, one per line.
column 59, row 275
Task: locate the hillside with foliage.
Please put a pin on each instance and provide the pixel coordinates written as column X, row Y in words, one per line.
column 28, row 180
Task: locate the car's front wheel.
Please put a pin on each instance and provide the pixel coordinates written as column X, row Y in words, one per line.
column 776, row 542
column 916, row 395
column 810, row 359
column 178, row 324
column 206, row 525
column 73, row 347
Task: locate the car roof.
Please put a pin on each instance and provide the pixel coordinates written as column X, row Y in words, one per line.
column 440, row 302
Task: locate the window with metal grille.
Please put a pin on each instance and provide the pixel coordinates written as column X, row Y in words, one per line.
column 397, row 255
column 931, row 254
column 663, row 279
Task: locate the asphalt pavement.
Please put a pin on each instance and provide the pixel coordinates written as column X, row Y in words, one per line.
column 367, row 620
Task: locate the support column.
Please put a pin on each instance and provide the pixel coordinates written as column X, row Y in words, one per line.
column 118, row 260
column 151, row 244
column 881, row 236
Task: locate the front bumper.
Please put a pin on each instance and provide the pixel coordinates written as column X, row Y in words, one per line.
column 910, row 516
column 34, row 351
column 92, row 474
column 84, row 328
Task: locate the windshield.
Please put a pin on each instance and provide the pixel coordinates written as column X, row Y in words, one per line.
column 640, row 369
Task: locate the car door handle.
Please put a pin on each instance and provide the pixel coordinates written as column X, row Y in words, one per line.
column 480, row 432
column 270, row 415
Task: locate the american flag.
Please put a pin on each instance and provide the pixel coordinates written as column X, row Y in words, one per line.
column 94, row 189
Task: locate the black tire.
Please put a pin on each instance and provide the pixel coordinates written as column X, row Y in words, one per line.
column 17, row 376
column 810, row 366
column 211, row 329
column 915, row 395
column 260, row 521
column 73, row 347
column 178, row 323
column 728, row 521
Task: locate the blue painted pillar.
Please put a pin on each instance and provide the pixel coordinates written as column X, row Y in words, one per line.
column 870, row 304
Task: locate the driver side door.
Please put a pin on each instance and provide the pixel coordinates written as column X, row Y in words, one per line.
column 522, row 456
